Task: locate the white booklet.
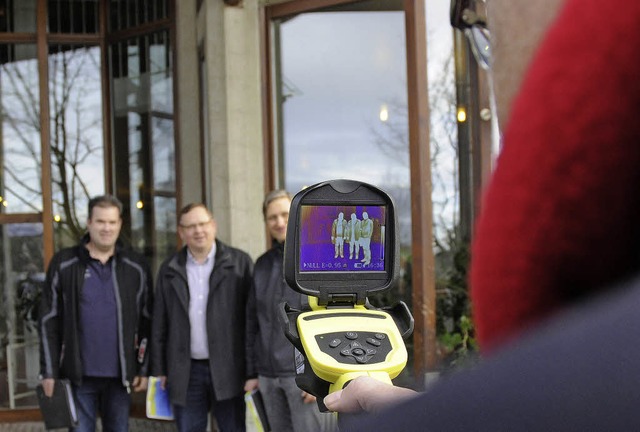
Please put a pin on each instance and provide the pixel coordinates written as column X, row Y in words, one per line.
column 158, row 403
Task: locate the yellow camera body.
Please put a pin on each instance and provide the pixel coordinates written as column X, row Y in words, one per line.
column 341, row 248
column 343, row 344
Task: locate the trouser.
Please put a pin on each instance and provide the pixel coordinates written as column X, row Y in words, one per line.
column 109, row 397
column 354, row 245
column 286, row 409
column 201, row 398
column 365, row 242
column 339, row 247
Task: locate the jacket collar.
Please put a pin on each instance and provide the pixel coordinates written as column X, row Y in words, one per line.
column 178, row 264
column 223, row 259
column 83, row 252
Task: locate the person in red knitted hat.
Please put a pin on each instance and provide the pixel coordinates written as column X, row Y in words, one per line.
column 559, row 219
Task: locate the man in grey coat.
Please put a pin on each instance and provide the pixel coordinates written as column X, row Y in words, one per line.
column 198, row 335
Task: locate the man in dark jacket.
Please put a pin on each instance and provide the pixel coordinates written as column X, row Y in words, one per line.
column 198, row 337
column 95, row 320
column 270, row 355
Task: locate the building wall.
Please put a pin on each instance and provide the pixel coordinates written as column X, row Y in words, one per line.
column 229, row 38
column 188, row 116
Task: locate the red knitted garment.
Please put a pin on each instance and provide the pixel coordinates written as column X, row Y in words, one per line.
column 561, row 215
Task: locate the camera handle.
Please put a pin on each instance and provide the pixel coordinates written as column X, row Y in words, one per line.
column 398, row 325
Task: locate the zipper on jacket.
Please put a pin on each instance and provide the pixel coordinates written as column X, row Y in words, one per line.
column 123, row 362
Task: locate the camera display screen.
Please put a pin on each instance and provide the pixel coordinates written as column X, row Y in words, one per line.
column 342, row 238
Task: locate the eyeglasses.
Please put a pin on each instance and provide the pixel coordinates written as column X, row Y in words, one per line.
column 474, row 26
column 194, row 226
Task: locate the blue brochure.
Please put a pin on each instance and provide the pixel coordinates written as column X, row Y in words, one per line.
column 158, row 404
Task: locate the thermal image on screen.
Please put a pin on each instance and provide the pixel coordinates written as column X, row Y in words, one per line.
column 342, row 238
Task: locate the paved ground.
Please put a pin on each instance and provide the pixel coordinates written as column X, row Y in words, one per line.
column 135, row 425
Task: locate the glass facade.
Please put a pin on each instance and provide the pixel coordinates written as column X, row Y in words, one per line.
column 21, row 276
column 19, row 16
column 76, row 137
column 144, row 154
column 107, row 102
column 127, row 14
column 73, row 16
column 344, row 110
column 20, row 150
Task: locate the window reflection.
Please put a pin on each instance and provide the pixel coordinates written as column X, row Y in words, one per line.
column 75, row 105
column 343, row 112
column 131, row 13
column 331, row 112
column 22, row 274
column 160, row 73
column 20, row 185
column 166, row 231
column 164, row 171
column 144, row 144
column 73, row 16
column 18, row 16
column 332, row 102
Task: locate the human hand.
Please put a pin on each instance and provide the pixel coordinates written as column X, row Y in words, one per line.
column 251, row 384
column 307, row 398
column 163, row 382
column 366, row 394
column 140, row 383
column 47, row 386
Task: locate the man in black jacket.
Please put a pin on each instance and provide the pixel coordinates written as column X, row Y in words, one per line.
column 95, row 320
column 198, row 337
column 270, row 355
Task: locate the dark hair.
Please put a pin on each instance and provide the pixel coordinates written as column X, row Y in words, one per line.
column 186, row 209
column 104, row 201
column 272, row 196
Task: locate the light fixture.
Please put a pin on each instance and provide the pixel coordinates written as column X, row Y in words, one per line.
column 485, row 114
column 384, row 113
column 462, row 115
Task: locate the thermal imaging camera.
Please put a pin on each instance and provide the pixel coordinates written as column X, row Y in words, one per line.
column 342, row 246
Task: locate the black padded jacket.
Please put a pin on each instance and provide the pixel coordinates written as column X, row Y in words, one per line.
column 59, row 313
column 269, row 352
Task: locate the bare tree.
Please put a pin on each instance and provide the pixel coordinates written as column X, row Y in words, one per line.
column 391, row 138
column 455, row 329
column 75, row 129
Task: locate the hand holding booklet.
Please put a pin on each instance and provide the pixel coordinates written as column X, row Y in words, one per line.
column 257, row 412
column 59, row 410
column 158, row 403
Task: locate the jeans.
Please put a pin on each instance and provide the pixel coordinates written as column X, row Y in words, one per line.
column 109, row 397
column 229, row 413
